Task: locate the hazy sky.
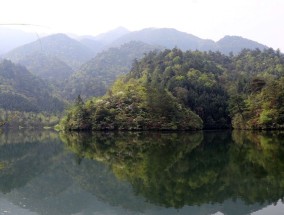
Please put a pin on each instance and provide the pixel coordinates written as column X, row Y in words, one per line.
column 259, row 20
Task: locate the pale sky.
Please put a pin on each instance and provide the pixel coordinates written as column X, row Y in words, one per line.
column 259, row 20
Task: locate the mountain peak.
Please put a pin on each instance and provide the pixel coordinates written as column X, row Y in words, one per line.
column 60, row 36
column 66, row 49
column 236, row 43
column 112, row 35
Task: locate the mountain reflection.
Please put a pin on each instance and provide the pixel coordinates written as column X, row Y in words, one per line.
column 178, row 169
column 140, row 173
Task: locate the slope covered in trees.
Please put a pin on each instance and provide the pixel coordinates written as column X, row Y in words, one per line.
column 243, row 91
column 98, row 74
column 131, row 106
column 22, row 91
column 257, row 90
column 47, row 67
column 194, row 78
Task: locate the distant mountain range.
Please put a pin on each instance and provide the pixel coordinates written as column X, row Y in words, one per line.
column 76, row 51
column 101, row 41
column 111, row 36
column 88, row 65
column 58, row 56
column 170, row 38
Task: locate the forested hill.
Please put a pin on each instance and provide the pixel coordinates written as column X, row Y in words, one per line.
column 22, row 91
column 68, row 50
column 243, row 91
column 98, row 74
column 49, row 68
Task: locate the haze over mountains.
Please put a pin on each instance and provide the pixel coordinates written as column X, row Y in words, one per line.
column 61, row 69
column 61, row 46
column 11, row 38
column 88, row 65
column 58, row 56
column 165, row 37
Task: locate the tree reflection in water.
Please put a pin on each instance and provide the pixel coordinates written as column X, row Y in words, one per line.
column 178, row 169
column 134, row 173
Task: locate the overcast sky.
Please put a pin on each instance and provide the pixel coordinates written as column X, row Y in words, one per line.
column 259, row 20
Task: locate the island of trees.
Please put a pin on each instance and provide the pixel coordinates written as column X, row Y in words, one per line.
column 176, row 90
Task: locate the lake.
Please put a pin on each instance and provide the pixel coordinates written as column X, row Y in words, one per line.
column 200, row 173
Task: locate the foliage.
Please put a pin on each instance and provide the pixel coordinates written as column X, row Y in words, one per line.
column 257, row 95
column 22, row 119
column 243, row 91
column 194, row 78
column 131, row 106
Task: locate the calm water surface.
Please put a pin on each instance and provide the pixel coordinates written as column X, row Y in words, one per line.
column 198, row 173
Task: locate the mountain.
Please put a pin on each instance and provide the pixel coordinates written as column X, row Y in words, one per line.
column 47, row 67
column 167, row 37
column 68, row 50
column 171, row 38
column 22, row 91
column 95, row 76
column 236, row 44
column 94, row 45
column 112, row 35
column 99, row 42
column 12, row 38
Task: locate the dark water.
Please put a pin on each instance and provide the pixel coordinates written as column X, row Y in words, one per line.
column 141, row 173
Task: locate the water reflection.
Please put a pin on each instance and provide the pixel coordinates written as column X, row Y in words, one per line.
column 174, row 170
column 140, row 173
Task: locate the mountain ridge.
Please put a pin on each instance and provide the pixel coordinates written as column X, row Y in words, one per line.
column 69, row 50
column 171, row 38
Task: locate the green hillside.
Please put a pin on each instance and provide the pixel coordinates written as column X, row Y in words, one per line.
column 22, row 91
column 243, row 91
column 98, row 74
column 47, row 67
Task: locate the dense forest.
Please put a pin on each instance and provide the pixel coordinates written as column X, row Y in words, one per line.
column 164, row 90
